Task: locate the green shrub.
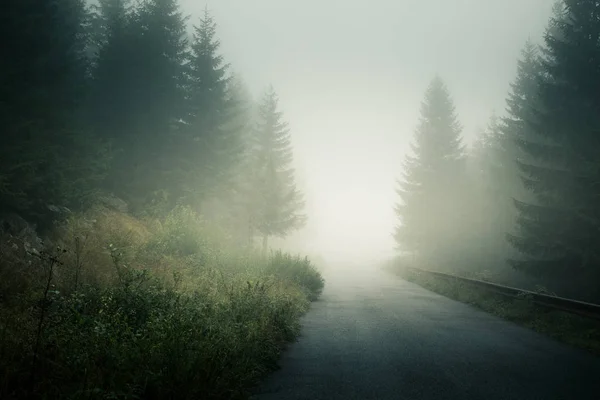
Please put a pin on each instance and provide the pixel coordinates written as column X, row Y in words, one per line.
column 188, row 331
column 178, row 236
column 569, row 328
column 297, row 270
column 143, row 339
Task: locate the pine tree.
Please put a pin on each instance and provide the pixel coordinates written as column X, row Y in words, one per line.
column 47, row 155
column 429, row 209
column 209, row 145
column 496, row 178
column 275, row 201
column 163, row 51
column 492, row 171
column 233, row 206
column 498, row 162
column 139, row 96
column 243, row 115
column 558, row 232
column 489, row 199
column 515, row 127
column 113, row 93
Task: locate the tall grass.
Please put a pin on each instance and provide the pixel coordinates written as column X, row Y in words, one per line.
column 153, row 310
column 569, row 328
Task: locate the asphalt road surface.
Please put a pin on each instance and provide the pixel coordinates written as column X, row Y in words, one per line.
column 374, row 336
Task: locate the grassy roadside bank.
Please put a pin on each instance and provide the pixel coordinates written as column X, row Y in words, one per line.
column 145, row 309
column 568, row 328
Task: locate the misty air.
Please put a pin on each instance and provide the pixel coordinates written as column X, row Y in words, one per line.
column 274, row 199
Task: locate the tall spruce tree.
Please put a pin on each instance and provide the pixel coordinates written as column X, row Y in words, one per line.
column 495, row 176
column 275, row 201
column 493, row 179
column 489, row 199
column 558, row 234
column 209, row 145
column 139, row 98
column 47, row 155
column 430, row 209
column 114, row 71
column 515, row 129
column 232, row 206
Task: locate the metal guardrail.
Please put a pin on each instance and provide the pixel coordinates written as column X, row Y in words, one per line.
column 588, row 310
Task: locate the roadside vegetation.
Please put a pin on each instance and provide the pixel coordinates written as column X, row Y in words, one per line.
column 519, row 206
column 123, row 308
column 568, row 328
column 138, row 176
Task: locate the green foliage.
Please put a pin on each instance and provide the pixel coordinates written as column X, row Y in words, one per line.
column 165, row 307
column 558, row 230
column 115, row 98
column 179, row 235
column 297, row 270
column 496, row 178
column 137, row 96
column 145, row 332
column 493, row 183
column 112, row 92
column 429, row 210
column 569, row 328
column 273, row 198
column 208, row 147
column 48, row 155
column 532, row 198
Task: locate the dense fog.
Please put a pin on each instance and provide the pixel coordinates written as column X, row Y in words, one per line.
column 181, row 181
column 351, row 76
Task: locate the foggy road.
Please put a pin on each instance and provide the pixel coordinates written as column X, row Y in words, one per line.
column 374, row 336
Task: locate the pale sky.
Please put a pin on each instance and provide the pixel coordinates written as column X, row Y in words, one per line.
column 351, row 75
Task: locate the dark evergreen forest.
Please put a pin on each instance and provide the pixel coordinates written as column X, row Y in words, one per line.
column 141, row 182
column 136, row 174
column 520, row 206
